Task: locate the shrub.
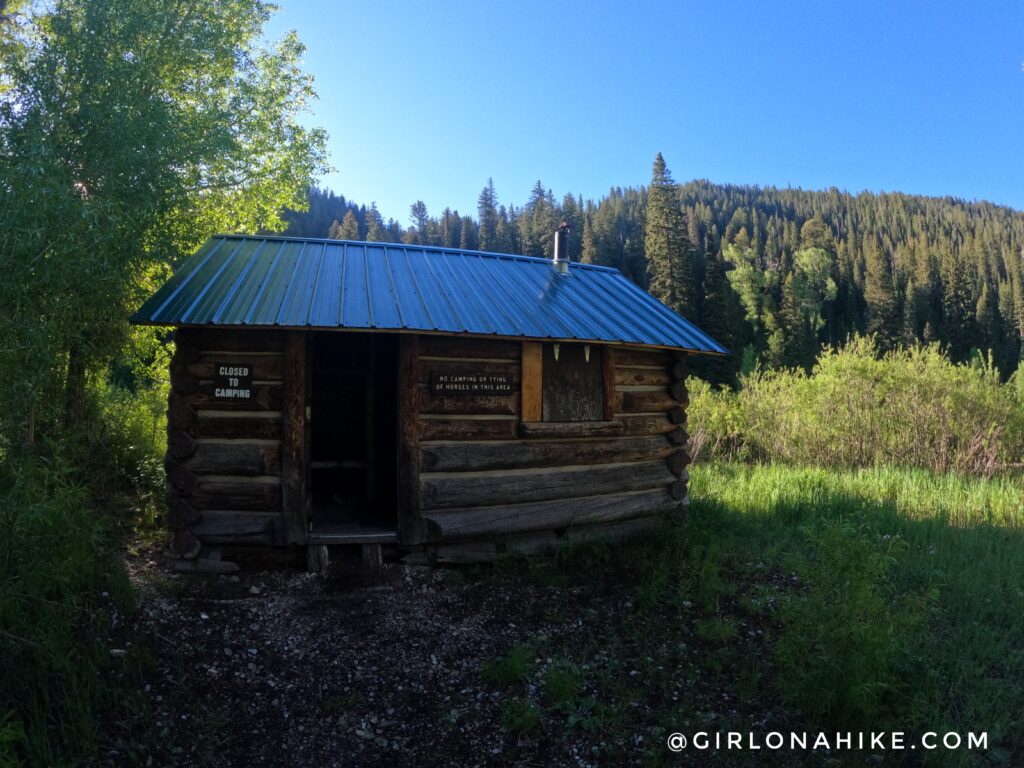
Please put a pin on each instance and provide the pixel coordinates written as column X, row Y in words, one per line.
column 909, row 407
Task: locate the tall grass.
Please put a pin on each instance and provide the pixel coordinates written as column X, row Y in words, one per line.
column 61, row 581
column 911, row 611
column 857, row 408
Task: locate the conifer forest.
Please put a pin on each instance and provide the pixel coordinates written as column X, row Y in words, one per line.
column 775, row 274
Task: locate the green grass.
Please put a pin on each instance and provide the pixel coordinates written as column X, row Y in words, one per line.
column 878, row 599
column 910, row 611
column 514, row 667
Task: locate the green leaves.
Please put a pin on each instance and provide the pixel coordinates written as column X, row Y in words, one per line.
column 130, row 131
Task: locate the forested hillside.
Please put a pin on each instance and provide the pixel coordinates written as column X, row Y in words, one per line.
column 773, row 273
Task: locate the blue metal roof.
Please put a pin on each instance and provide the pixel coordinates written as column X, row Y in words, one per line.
column 243, row 281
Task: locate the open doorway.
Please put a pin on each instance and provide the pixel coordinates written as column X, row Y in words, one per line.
column 354, row 431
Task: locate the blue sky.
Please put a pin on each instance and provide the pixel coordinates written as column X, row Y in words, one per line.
column 427, row 100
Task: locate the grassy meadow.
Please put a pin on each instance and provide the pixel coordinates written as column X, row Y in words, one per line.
column 796, row 598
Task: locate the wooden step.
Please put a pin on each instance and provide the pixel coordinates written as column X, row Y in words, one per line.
column 329, row 535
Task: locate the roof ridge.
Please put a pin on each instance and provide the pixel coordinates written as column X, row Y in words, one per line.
column 412, row 246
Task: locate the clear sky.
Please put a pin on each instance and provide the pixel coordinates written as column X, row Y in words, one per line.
column 426, row 100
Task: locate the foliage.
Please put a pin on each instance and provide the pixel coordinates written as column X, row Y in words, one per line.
column 514, row 667
column 846, row 636
column 667, row 246
column 563, row 684
column 60, row 586
column 909, row 407
column 129, row 132
column 519, row 715
column 899, row 570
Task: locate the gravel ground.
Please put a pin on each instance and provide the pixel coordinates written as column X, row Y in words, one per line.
column 285, row 668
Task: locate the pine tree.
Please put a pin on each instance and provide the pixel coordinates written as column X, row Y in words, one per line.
column 880, row 294
column 467, row 234
column 958, row 308
column 988, row 321
column 375, row 231
column 349, row 227
column 715, row 320
column 667, row 245
column 487, row 212
column 420, row 219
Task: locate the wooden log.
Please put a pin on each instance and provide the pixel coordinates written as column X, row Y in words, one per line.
column 507, row 405
column 677, row 414
column 678, row 436
column 521, row 454
column 634, row 377
column 180, row 415
column 180, row 444
column 646, row 401
column 214, row 492
column 609, row 400
column 185, row 544
column 620, row 531
column 218, row 340
column 545, row 515
column 678, row 391
column 532, row 383
column 373, row 556
column 678, row 370
column 259, row 425
column 465, row 428
column 645, row 424
column 229, row 527
column 265, row 397
column 474, row 489
column 677, row 462
column 204, row 565
column 627, row 357
column 448, row 367
column 183, row 382
column 264, row 367
column 294, row 460
column 490, row 550
column 570, row 429
column 466, row 347
column 532, row 544
column 318, row 559
column 410, row 526
column 181, row 479
column 222, row 457
column 180, row 514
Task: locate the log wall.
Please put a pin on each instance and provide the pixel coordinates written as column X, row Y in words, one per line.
column 224, row 459
column 479, row 475
column 490, row 478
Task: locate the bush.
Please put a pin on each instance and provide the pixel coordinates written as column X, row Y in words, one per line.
column 910, row 408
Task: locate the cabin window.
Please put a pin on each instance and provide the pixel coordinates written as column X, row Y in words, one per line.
column 572, row 383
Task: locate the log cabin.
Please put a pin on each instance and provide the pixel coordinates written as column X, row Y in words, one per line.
column 439, row 405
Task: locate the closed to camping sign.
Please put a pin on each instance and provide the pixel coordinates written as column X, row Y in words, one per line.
column 232, row 381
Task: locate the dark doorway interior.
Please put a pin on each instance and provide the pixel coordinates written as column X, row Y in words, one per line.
column 354, row 426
